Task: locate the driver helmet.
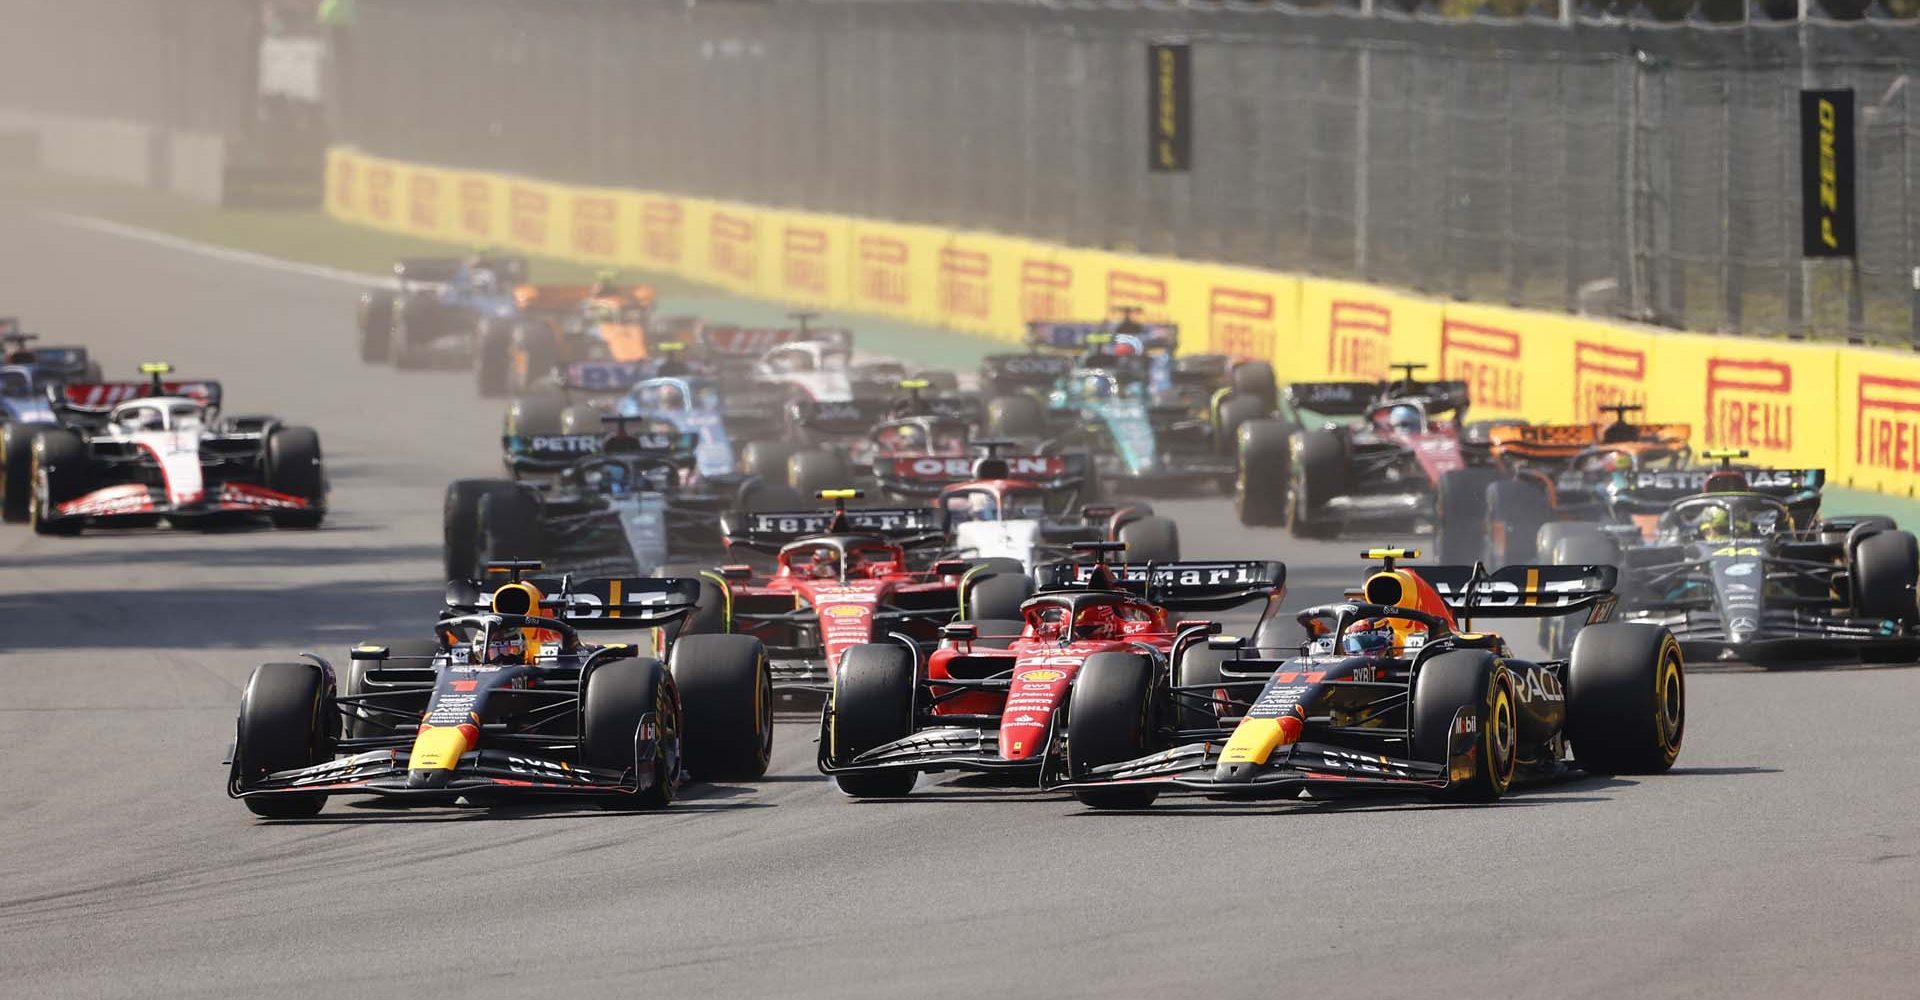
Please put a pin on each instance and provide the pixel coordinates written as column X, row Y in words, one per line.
column 980, row 507
column 506, row 646
column 824, row 564
column 671, row 398
column 1096, row 622
column 1404, row 418
column 483, row 279
column 1097, row 386
column 603, row 284
column 1123, row 347
column 1716, row 523
column 1368, row 637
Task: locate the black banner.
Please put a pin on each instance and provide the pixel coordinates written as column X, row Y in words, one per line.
column 1169, row 108
column 1826, row 173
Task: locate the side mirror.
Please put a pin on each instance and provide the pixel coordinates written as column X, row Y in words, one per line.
column 951, row 567
column 1225, row 643
column 960, row 632
column 1209, row 627
column 736, row 572
column 369, row 653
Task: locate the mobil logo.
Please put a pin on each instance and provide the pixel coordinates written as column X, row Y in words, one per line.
column 1888, row 434
column 1240, row 323
column 1605, row 375
column 730, row 246
column 423, row 201
column 965, row 283
column 475, row 201
column 527, row 215
column 1046, row 290
column 1487, row 358
column 1749, row 404
column 661, row 235
column 1359, row 336
column 803, row 259
column 594, row 225
column 880, row 273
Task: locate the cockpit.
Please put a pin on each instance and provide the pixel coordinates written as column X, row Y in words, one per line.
column 620, row 475
column 157, row 415
column 983, row 504
column 841, row 559
column 15, row 383
column 672, row 396
column 920, row 437
column 810, row 356
column 1722, row 517
column 1406, row 416
column 1084, row 617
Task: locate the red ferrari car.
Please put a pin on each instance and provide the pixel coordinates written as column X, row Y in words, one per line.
column 992, row 696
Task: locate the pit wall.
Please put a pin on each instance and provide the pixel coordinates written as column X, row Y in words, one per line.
column 1854, row 411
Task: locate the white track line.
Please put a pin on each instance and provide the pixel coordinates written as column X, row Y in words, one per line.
column 228, row 254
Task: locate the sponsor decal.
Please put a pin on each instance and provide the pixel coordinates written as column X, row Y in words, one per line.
column 380, row 194
column 104, row 395
column 1240, row 323
column 1749, row 404
column 731, row 246
column 1739, row 569
column 1888, row 414
column 476, row 208
column 1742, row 625
column 1042, row 676
column 1827, row 220
column 1605, row 375
column 594, row 220
column 964, row 283
column 1363, row 762
column 1358, row 335
column 1487, row 358
column 527, row 216
column 580, row 444
column 880, row 270
column 661, row 235
column 1046, row 290
column 465, row 685
column 1539, row 684
column 846, row 611
column 1140, row 291
column 423, row 202
column 959, row 467
column 1169, row 107
column 803, row 260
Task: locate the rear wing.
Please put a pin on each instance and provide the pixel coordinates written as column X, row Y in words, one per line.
column 612, row 602
column 1566, row 440
column 1186, row 586
column 1522, row 591
column 753, row 341
column 961, row 408
column 926, row 475
column 775, row 528
column 1027, row 369
column 840, row 417
column 603, row 376
column 1334, row 399
column 1052, row 335
column 548, row 450
column 96, row 398
column 1664, row 487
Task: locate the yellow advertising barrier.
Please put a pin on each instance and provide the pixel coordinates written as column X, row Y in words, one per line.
column 1777, row 400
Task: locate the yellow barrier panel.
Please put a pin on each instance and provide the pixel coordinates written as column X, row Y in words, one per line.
column 895, row 270
column 479, row 209
column 1247, row 315
column 805, row 258
column 1354, row 331
column 658, row 241
column 1776, row 400
column 1513, row 367
column 1879, row 422
column 977, row 284
column 592, row 225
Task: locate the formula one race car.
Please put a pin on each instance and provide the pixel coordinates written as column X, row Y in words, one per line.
column 1026, row 508
column 993, row 696
column 508, row 700
column 1363, row 455
column 436, row 307
column 1188, row 382
column 1746, row 570
column 616, row 504
column 557, row 325
column 843, row 577
column 131, row 454
column 1394, row 693
column 44, row 364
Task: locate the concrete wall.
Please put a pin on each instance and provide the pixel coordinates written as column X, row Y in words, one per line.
column 187, row 164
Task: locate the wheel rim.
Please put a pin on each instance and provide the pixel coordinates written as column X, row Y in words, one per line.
column 1502, row 737
column 1670, row 701
column 763, row 710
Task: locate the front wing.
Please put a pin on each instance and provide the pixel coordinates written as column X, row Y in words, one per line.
column 384, row 772
column 1304, row 765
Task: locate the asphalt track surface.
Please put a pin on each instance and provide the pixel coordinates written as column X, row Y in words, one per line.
column 1781, row 858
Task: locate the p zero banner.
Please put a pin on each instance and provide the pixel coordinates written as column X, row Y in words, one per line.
column 1827, row 210
column 1169, row 107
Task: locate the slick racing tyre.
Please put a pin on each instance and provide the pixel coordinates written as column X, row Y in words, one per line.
column 16, row 471
column 533, row 357
column 376, row 326
column 360, row 723
column 871, row 706
column 1255, row 379
column 1110, row 719
column 1200, row 665
column 1461, row 515
column 294, row 467
column 812, row 471
column 491, row 358
column 536, row 416
column 1317, row 473
column 1516, row 511
column 994, row 595
column 614, row 740
column 1260, row 485
column 285, row 718
column 61, row 471
column 1015, row 417
column 508, row 527
column 1470, row 679
column 710, row 616
column 768, row 460
column 1883, row 574
column 460, row 524
column 726, row 703
column 1626, row 699
column 764, row 495
column 1579, row 545
column 1236, row 412
column 413, row 335
column 1151, row 539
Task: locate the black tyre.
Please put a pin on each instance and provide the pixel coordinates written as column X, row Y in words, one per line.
column 1626, row 699
column 535, row 416
column 1236, row 412
column 726, row 700
column 996, row 564
column 710, row 617
column 1516, row 511
column 16, row 471
column 376, row 326
column 415, row 332
column 533, row 357
column 1260, row 485
column 1548, row 538
column 401, row 653
column 491, row 358
column 1199, row 664
column 294, row 467
column 1110, row 719
column 994, row 633
column 1015, row 416
column 508, row 527
column 871, row 706
column 619, row 697
column 767, row 494
column 61, row 471
column 768, row 460
column 1579, row 545
column 1460, row 515
column 284, row 724
column 1255, row 379
column 460, row 524
column 1151, row 539
column 1317, row 473
column 995, row 595
column 813, row 471
column 1472, row 679
column 1884, row 569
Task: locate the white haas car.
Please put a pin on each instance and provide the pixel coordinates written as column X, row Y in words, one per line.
column 132, row 454
column 1027, row 509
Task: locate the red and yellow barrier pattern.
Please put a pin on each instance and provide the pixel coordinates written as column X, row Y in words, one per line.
column 1851, row 410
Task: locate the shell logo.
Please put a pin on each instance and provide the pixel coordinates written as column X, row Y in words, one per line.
column 845, row 611
column 1043, row 676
